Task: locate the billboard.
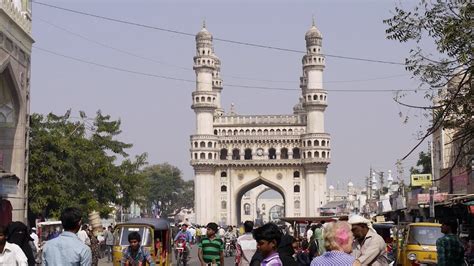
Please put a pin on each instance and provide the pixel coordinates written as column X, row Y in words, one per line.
column 421, row 180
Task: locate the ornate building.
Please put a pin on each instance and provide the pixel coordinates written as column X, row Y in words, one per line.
column 15, row 63
column 232, row 154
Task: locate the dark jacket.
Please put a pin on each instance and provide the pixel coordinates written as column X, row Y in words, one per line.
column 286, row 251
column 17, row 233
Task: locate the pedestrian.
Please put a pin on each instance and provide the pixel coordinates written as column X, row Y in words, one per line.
column 198, row 234
column 67, row 248
column 109, row 243
column 286, row 251
column 211, row 247
column 338, row 240
column 368, row 248
column 246, row 245
column 35, row 237
column 268, row 238
column 135, row 254
column 316, row 246
column 10, row 254
column 83, row 235
column 18, row 234
column 95, row 248
column 449, row 247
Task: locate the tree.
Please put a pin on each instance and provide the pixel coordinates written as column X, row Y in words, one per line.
column 168, row 190
column 449, row 25
column 72, row 163
column 424, row 161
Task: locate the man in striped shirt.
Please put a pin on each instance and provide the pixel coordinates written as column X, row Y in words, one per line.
column 211, row 248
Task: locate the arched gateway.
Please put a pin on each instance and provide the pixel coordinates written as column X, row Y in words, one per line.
column 232, row 154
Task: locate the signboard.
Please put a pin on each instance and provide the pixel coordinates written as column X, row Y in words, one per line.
column 421, row 180
column 8, row 186
column 425, row 197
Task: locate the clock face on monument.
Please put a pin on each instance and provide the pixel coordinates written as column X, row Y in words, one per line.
column 260, row 152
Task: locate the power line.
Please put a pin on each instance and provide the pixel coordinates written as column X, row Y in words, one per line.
column 193, row 81
column 215, row 38
column 190, row 69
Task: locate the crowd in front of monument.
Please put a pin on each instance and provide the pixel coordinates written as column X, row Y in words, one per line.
column 349, row 241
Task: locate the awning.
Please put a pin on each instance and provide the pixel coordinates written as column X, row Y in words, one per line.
column 316, row 219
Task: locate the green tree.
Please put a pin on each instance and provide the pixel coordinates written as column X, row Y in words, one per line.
column 168, row 190
column 449, row 25
column 423, row 165
column 72, row 163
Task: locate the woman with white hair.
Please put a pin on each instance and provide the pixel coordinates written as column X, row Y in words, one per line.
column 338, row 242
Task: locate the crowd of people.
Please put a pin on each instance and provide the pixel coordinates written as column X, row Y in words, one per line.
column 350, row 241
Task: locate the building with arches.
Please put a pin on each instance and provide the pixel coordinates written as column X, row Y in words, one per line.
column 232, row 154
column 15, row 65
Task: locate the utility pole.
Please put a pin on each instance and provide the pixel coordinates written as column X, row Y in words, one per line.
column 432, row 188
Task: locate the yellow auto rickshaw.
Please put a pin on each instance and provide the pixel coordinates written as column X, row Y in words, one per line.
column 156, row 237
column 417, row 245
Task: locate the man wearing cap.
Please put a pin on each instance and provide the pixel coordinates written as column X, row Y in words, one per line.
column 211, row 248
column 368, row 248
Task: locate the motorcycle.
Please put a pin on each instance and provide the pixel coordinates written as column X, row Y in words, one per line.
column 181, row 255
column 229, row 249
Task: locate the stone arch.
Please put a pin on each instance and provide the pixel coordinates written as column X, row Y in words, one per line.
column 251, row 185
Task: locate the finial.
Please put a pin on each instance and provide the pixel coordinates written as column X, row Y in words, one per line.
column 204, row 23
column 232, row 109
column 313, row 24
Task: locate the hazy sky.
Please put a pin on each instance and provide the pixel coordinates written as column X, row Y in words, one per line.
column 366, row 128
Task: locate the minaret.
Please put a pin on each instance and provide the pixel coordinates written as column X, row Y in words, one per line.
column 204, row 142
column 217, row 84
column 316, row 146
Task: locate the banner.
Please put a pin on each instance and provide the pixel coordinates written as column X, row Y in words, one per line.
column 425, row 197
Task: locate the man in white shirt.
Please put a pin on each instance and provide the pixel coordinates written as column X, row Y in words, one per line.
column 82, row 234
column 35, row 237
column 368, row 248
column 246, row 246
column 10, row 254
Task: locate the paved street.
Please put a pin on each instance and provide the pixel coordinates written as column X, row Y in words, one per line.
column 194, row 261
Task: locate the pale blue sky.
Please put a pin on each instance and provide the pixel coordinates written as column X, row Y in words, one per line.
column 156, row 116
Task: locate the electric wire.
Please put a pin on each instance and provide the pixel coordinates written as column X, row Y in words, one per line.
column 81, row 36
column 193, row 81
column 116, row 20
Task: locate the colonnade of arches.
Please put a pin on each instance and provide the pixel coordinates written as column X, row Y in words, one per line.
column 248, row 153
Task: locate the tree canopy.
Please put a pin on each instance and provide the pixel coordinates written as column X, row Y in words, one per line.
column 423, row 165
column 446, row 77
column 168, row 192
column 73, row 162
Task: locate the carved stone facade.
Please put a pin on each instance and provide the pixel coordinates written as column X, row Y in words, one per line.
column 232, row 154
column 15, row 65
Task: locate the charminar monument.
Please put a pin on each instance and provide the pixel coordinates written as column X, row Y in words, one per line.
column 232, row 154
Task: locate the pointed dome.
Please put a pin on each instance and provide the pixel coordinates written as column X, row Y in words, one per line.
column 204, row 34
column 313, row 32
column 350, row 184
column 331, row 187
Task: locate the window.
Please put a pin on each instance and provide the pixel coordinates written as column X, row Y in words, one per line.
column 316, row 143
column 309, row 142
column 202, row 156
column 209, row 144
column 195, row 144
column 309, row 155
column 323, row 143
column 296, row 174
column 195, row 156
column 235, row 154
column 271, row 154
column 202, row 144
column 209, row 156
column 296, row 153
column 248, row 154
column 316, row 154
column 215, row 132
column 223, row 174
column 284, row 153
column 247, row 209
column 223, row 154
column 296, row 189
column 223, row 188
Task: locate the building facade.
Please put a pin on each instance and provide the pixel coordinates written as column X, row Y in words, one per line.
column 15, row 65
column 232, row 154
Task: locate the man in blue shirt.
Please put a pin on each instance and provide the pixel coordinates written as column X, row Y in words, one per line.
column 67, row 248
column 184, row 235
column 135, row 254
